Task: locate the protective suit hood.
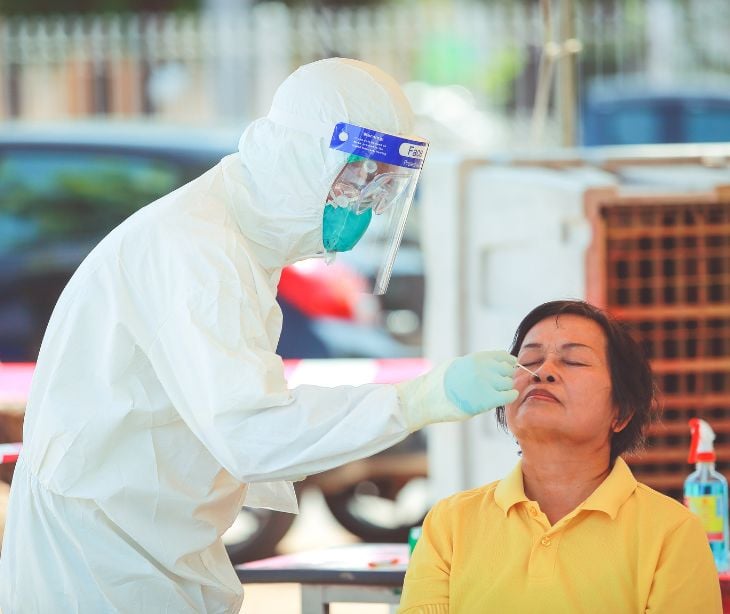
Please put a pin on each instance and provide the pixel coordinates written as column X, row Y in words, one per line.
column 287, row 165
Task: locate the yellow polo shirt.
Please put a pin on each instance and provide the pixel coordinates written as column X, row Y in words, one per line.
column 625, row 549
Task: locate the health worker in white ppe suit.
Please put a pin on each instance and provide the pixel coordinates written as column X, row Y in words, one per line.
column 159, row 406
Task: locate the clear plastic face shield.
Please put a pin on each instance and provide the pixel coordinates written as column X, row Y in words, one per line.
column 372, row 195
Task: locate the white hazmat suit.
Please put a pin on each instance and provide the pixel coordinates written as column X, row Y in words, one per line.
column 159, row 406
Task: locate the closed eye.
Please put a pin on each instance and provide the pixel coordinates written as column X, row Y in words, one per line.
column 532, row 363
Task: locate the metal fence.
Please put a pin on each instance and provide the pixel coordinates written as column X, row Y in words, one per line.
column 198, row 68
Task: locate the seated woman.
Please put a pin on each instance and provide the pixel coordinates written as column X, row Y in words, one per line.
column 570, row 529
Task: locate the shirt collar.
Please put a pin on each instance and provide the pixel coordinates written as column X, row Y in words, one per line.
column 608, row 497
column 613, row 491
column 510, row 490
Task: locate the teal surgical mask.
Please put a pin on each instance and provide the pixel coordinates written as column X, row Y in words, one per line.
column 343, row 227
column 362, row 188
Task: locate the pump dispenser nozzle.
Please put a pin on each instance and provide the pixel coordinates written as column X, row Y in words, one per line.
column 701, row 448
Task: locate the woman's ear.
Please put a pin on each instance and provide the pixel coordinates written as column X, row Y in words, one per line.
column 619, row 425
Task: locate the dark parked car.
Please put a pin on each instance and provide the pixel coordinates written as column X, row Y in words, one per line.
column 63, row 188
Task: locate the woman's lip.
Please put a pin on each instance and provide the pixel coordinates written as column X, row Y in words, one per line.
column 541, row 394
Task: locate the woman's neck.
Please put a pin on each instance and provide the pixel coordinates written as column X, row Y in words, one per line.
column 560, row 484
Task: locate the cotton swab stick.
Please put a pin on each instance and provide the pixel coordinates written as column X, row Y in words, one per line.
column 530, row 372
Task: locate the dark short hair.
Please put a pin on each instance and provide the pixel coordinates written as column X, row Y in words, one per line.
column 633, row 390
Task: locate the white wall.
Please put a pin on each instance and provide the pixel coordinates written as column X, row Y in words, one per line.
column 498, row 240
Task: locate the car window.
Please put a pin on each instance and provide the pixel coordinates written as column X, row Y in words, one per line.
column 705, row 124
column 52, row 196
column 681, row 119
column 633, row 125
column 55, row 206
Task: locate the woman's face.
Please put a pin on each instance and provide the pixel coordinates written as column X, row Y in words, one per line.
column 572, row 403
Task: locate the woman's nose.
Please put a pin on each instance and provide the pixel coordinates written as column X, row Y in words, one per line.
column 543, row 373
column 538, row 378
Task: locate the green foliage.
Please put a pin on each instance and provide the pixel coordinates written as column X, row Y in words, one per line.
column 80, row 204
column 44, row 7
column 332, row 4
column 446, row 58
column 501, row 73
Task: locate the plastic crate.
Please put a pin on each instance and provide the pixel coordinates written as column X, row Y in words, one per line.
column 662, row 266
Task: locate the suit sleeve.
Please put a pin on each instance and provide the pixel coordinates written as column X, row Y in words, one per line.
column 213, row 358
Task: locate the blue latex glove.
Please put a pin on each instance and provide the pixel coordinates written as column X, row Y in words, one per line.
column 459, row 389
column 481, row 381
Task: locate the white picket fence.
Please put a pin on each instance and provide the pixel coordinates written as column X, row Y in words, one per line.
column 197, row 68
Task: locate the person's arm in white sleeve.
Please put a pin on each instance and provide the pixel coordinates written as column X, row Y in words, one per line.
column 211, row 357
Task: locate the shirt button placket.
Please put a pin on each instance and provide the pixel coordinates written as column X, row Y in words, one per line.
column 543, row 557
